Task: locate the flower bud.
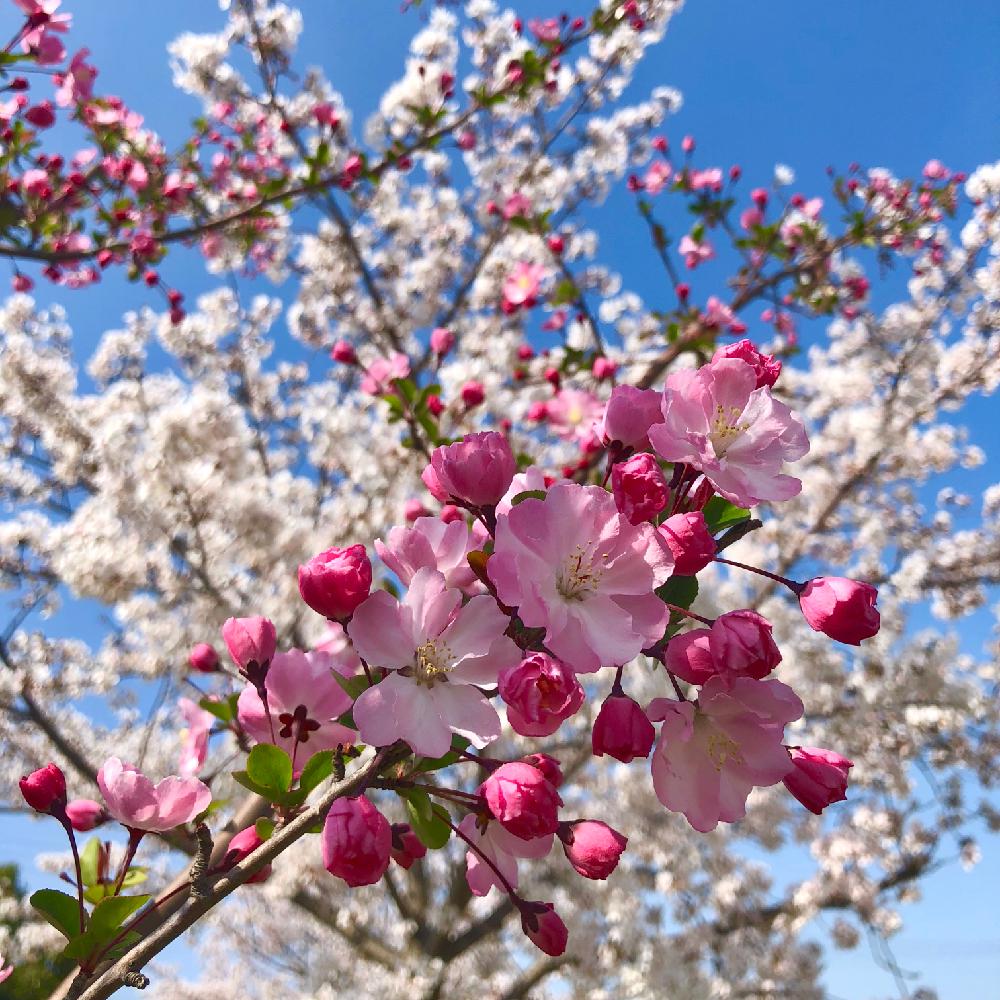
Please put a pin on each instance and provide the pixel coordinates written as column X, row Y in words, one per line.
column 593, row 848
column 203, row 658
column 621, row 730
column 85, row 814
column 842, row 609
column 44, row 789
column 241, row 846
column 250, row 640
column 819, row 777
column 540, row 693
column 639, row 488
column 766, row 367
column 629, row 414
column 544, row 928
column 472, row 393
column 336, row 581
column 742, row 643
column 356, row 840
column 442, row 341
column 523, row 800
column 478, row 469
column 407, row 847
column 344, row 353
column 549, row 766
column 688, row 538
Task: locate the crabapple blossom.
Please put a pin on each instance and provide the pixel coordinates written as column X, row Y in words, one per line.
column 593, row 848
column 406, row 846
column 203, row 658
column 504, row 849
column 522, row 799
column 842, row 609
column 85, row 814
column 242, row 845
column 819, row 777
column 766, row 367
column 738, row 644
column 251, row 641
column 430, row 543
column 478, row 469
column 522, row 285
column 639, row 488
column 629, row 414
column 540, row 694
column 688, row 538
column 45, row 789
column 622, row 730
column 544, row 928
column 336, row 581
column 194, row 739
column 357, row 841
column 137, row 803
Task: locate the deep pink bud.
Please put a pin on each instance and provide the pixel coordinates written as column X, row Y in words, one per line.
column 739, row 644
column 842, row 609
column 356, row 840
column 759, row 197
column 442, row 341
column 467, row 139
column 544, row 928
column 766, row 367
column 621, row 730
column 336, row 581
column 241, row 846
column 688, row 538
column 203, row 658
column 522, row 799
column 85, row 814
column 629, row 415
column 472, row 393
column 413, row 509
column 603, row 368
column 22, row 283
column 639, row 488
column 819, row 778
column 435, row 405
column 478, row 469
column 406, row 845
column 344, row 353
column 41, row 115
column 687, row 143
column 556, row 243
column 593, row 848
column 250, row 640
column 549, row 766
column 540, row 693
column 45, row 789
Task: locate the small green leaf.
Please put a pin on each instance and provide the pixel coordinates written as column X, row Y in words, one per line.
column 270, row 767
column 352, row 686
column 527, row 495
column 679, row 590
column 89, row 856
column 430, row 822
column 720, row 513
column 224, row 711
column 244, row 779
column 318, row 768
column 107, row 918
column 264, row 827
column 59, row 909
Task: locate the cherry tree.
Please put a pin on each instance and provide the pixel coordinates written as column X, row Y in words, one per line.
column 437, row 661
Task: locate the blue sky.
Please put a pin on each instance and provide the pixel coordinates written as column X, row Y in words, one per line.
column 807, row 84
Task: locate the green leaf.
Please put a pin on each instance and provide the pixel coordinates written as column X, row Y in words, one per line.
column 244, row 779
column 270, row 767
column 318, row 768
column 224, row 711
column 89, row 856
column 352, row 686
column 59, row 909
column 107, row 918
column 679, row 590
column 264, row 827
column 527, row 495
column 430, row 822
column 720, row 513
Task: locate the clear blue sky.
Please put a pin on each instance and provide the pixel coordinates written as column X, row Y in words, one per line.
column 803, row 83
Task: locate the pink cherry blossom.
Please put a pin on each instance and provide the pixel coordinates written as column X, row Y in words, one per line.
column 694, row 253
column 436, row 651
column 818, row 777
column 522, row 799
column 430, row 543
column 544, row 928
column 345, row 661
column 522, row 284
column 739, row 644
column 766, row 367
column 688, row 538
column 531, row 480
column 356, row 841
column 305, row 702
column 502, row 848
column 77, row 83
column 593, row 848
column 841, row 608
column 573, row 414
column 574, row 566
column 657, row 176
column 622, row 730
column 639, row 488
column 717, row 313
column 377, row 380
column 194, row 739
column 717, row 420
column 629, row 414
column 478, row 469
column 540, row 694
column 136, row 802
column 712, row 752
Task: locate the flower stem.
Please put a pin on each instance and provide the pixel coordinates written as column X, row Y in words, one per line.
column 796, row 588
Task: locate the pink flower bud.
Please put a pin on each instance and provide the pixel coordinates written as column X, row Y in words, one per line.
column 549, row 766
column 639, row 488
column 467, row 139
column 413, row 509
column 593, row 848
column 442, row 341
column 241, row 846
column 621, row 730
column 739, row 644
column 478, row 469
column 688, row 538
column 819, row 777
column 203, row 658
column 603, row 368
column 540, row 693
column 766, row 367
column 41, row 115
column 344, row 353
column 556, row 243
column 406, row 845
column 22, row 283
column 544, row 928
column 250, row 640
column 523, row 800
column 357, row 840
column 629, row 415
column 842, row 609
column 85, row 814
column 472, row 393
column 336, row 581
column 44, row 789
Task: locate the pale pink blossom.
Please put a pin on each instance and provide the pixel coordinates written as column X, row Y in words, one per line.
column 430, row 543
column 345, row 661
column 545, row 30
column 437, row 651
column 6, row 971
column 712, row 752
column 77, row 83
column 710, row 178
column 136, row 802
column 574, row 566
column 694, row 253
column 305, row 702
column 629, row 414
column 657, row 176
column 574, row 414
column 531, row 480
column 503, row 849
column 717, row 420
column 717, row 313
column 194, row 739
column 522, row 284
column 377, row 380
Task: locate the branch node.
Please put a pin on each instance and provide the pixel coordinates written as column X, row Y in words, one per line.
column 135, row 979
column 200, row 864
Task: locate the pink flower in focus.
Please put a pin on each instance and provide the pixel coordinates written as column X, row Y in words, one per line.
column 305, row 702
column 333, row 583
column 688, row 538
column 574, row 566
column 430, row 543
column 593, row 848
column 356, row 841
column 694, row 253
column 242, row 845
column 717, row 420
column 406, row 846
column 377, row 380
column 532, row 479
column 478, row 469
column 85, row 814
column 639, row 489
column 136, row 802
column 544, row 928
column 818, row 778
column 522, row 799
column 502, row 848
column 540, row 694
column 194, row 739
column 712, row 752
column 344, row 661
column 840, row 608
column 250, row 641
column 739, row 644
column 437, row 651
column 44, row 789
column 522, row 284
column 766, row 368
column 629, row 414
column 622, row 730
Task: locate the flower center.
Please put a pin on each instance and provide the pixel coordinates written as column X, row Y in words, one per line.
column 433, row 660
column 297, row 725
column 721, row 748
column 579, row 577
column 726, row 428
